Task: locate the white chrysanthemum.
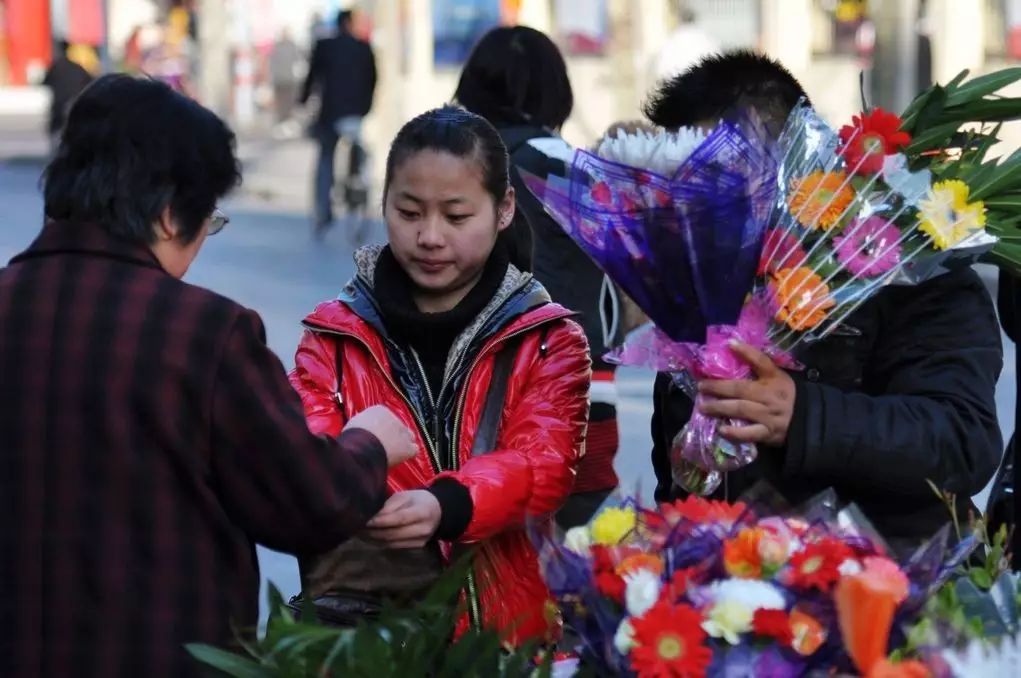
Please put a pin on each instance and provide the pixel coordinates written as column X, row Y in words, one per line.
column 642, row 592
column 981, row 659
column 661, row 152
column 753, row 594
column 578, row 540
column 624, row 639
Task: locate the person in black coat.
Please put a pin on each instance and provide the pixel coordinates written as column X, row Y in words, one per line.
column 517, row 79
column 343, row 71
column 900, row 394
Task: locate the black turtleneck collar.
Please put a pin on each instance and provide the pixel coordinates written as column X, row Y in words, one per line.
column 432, row 334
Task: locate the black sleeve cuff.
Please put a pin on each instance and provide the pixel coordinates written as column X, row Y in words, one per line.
column 456, row 506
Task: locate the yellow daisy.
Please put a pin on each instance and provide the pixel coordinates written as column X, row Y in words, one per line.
column 613, row 524
column 946, row 216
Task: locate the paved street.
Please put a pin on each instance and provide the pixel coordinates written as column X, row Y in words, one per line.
column 266, row 260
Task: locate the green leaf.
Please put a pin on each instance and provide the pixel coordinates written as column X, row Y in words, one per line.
column 227, row 662
column 1009, row 202
column 983, row 85
column 935, row 137
column 956, row 82
column 985, row 110
column 928, row 113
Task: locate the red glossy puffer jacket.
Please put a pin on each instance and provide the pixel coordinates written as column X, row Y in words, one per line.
column 540, row 440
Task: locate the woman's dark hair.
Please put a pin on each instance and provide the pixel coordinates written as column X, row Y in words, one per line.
column 516, row 74
column 460, row 133
column 133, row 147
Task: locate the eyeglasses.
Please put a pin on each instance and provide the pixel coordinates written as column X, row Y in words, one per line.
column 217, row 221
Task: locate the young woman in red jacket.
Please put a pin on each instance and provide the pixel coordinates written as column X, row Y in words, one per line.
column 422, row 328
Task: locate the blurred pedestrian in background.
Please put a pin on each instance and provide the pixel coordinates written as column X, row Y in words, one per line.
column 67, row 76
column 285, row 66
column 517, row 79
column 343, row 72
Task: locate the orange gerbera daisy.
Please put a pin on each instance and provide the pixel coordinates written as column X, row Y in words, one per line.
column 641, row 561
column 669, row 641
column 741, row 554
column 819, row 199
column 803, row 299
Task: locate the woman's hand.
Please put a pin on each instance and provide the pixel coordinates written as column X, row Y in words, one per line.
column 408, row 520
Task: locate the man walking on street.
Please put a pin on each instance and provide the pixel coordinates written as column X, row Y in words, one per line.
column 343, row 70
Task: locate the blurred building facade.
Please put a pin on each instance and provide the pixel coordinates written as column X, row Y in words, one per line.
column 615, row 48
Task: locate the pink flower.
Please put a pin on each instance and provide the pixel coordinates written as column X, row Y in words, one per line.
column 780, row 249
column 870, row 248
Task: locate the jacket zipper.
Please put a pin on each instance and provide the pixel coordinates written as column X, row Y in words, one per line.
column 433, row 455
column 471, row 589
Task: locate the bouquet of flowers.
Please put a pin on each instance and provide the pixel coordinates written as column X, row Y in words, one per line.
column 708, row 588
column 729, row 236
column 676, row 219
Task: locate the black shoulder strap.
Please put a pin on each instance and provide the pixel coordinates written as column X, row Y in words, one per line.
column 489, row 424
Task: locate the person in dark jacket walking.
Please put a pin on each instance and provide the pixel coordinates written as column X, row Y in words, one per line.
column 343, row 71
column 517, row 79
column 901, row 394
column 148, row 436
column 65, row 80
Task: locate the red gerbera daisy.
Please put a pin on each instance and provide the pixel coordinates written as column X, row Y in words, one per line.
column 818, row 564
column 870, row 138
column 669, row 642
column 774, row 624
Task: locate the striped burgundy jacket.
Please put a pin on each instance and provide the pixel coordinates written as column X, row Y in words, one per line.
column 148, row 438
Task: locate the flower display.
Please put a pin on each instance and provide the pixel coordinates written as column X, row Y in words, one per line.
column 947, row 217
column 707, row 603
column 869, row 247
column 820, row 199
column 803, row 300
column 871, row 137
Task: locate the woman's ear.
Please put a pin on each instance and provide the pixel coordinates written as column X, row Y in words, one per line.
column 165, row 227
column 505, row 210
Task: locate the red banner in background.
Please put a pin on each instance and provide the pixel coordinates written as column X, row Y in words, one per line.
column 28, row 39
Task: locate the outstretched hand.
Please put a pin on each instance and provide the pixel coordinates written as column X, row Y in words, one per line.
column 408, row 520
column 766, row 403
